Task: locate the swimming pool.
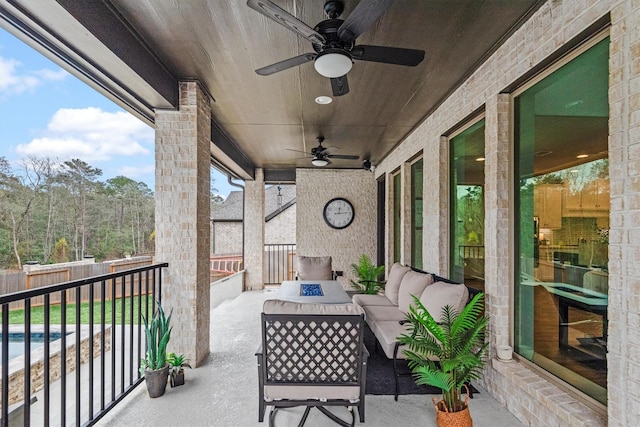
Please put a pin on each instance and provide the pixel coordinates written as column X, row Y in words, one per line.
column 16, row 342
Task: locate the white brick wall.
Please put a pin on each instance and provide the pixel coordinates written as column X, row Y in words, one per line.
column 532, row 398
column 227, row 238
column 281, row 229
column 314, row 188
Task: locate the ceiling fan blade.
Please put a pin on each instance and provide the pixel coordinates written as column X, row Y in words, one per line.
column 286, row 64
column 364, row 14
column 340, row 86
column 388, row 55
column 284, row 18
column 299, row 151
column 343, row 156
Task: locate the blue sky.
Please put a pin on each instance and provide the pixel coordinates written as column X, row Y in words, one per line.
column 47, row 112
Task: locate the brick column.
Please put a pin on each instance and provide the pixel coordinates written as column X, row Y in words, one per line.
column 183, row 219
column 498, row 275
column 254, row 232
column 623, row 358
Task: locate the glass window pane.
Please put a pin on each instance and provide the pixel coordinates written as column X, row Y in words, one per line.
column 562, row 203
column 397, row 197
column 467, row 206
column 416, row 214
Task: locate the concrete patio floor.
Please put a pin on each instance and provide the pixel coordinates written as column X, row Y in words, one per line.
column 224, row 391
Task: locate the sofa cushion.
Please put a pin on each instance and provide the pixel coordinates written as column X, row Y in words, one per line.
column 363, row 300
column 387, row 333
column 412, row 284
column 314, row 268
column 378, row 313
column 436, row 296
column 392, row 288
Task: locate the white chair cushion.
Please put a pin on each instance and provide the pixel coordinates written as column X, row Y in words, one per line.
column 314, row 268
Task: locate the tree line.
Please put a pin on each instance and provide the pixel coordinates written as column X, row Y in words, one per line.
column 52, row 211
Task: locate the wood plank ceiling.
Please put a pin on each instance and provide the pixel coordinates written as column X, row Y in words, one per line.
column 222, row 42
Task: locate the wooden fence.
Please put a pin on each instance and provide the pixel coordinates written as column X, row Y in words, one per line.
column 53, row 274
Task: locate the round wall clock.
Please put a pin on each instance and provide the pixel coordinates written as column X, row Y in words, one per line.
column 338, row 213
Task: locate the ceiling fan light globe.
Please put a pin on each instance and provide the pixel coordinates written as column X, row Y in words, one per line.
column 319, row 162
column 333, row 64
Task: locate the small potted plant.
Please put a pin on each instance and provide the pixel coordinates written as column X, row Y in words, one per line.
column 368, row 275
column 447, row 354
column 154, row 367
column 177, row 363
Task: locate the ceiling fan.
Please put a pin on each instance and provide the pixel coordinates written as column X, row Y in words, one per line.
column 334, row 41
column 320, row 155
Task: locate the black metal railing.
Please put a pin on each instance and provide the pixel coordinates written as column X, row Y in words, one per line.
column 279, row 263
column 111, row 345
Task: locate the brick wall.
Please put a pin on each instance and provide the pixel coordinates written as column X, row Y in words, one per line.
column 227, row 238
column 315, row 237
column 282, row 228
column 534, row 399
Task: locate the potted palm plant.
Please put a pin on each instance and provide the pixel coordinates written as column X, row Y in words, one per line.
column 154, row 366
column 177, row 363
column 447, row 354
column 368, row 275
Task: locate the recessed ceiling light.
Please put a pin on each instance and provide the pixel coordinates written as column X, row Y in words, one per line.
column 324, row 100
column 480, row 159
column 582, row 156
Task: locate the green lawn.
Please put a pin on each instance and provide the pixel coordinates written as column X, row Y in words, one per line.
column 16, row 317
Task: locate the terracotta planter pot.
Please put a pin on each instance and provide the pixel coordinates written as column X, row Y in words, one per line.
column 156, row 381
column 444, row 418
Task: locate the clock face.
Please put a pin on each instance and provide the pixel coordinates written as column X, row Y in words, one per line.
column 338, row 213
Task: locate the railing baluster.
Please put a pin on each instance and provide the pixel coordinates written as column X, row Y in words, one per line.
column 123, row 290
column 47, row 357
column 63, row 357
column 91, row 302
column 27, row 362
column 114, row 342
column 131, row 300
column 5, row 365
column 103, row 342
column 78, row 354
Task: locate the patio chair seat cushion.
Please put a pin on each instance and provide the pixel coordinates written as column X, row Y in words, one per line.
column 312, row 392
column 314, row 268
column 275, row 306
column 364, row 300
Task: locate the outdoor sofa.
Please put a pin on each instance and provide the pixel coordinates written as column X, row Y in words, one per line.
column 385, row 313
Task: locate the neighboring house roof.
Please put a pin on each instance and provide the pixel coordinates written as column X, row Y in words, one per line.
column 232, row 207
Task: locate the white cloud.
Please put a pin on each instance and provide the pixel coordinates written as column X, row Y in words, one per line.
column 12, row 82
column 137, row 171
column 90, row 134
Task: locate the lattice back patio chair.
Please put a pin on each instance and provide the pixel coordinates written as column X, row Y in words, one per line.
column 312, row 355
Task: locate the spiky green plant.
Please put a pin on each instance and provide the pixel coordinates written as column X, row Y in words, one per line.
column 368, row 274
column 158, row 333
column 457, row 342
column 176, row 363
